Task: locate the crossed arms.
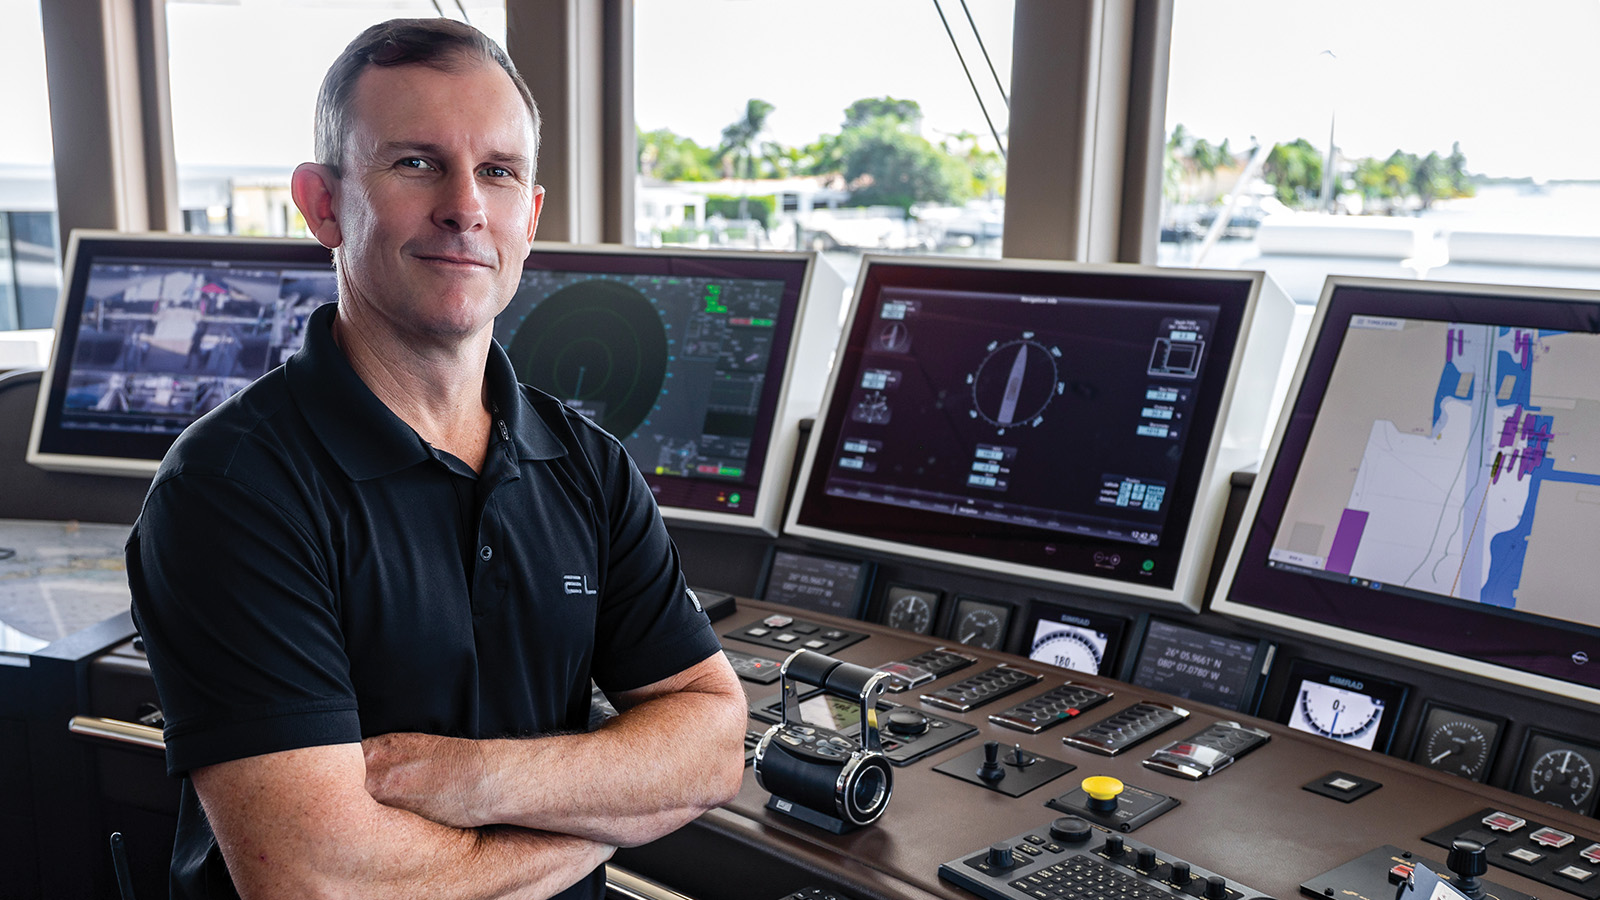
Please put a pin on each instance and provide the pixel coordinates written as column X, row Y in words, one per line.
column 429, row 816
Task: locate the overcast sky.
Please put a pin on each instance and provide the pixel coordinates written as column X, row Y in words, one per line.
column 1514, row 83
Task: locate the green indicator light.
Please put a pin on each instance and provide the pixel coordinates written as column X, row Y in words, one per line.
column 733, row 498
column 763, row 323
column 1149, row 565
column 730, row 472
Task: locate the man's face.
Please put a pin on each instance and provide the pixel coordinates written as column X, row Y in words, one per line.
column 437, row 205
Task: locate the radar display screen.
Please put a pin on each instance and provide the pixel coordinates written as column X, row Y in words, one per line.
column 682, row 359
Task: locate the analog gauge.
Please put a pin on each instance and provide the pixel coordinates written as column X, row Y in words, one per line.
column 1460, row 748
column 1069, row 648
column 1460, row 743
column 980, row 624
column 910, row 611
column 1337, row 713
column 1564, row 778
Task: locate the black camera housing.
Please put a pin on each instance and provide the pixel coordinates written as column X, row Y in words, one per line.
column 819, row 775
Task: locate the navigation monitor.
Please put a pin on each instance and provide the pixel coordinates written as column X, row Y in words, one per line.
column 153, row 330
column 693, row 359
column 1070, row 423
column 1434, row 489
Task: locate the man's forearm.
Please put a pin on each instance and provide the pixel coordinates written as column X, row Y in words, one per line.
column 297, row 825
column 642, row 775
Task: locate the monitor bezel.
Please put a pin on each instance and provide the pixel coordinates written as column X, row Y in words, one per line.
column 1235, row 439
column 1375, row 632
column 802, row 372
column 83, row 248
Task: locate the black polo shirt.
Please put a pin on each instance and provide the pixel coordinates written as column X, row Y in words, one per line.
column 307, row 571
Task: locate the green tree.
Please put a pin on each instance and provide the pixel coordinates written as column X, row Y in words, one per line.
column 886, row 165
column 667, row 156
column 866, row 109
column 1295, row 172
column 986, row 168
column 741, row 152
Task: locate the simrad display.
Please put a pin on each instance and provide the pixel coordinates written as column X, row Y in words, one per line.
column 1195, row 664
column 834, row 586
column 154, row 330
column 687, row 356
column 1051, row 420
column 1433, row 490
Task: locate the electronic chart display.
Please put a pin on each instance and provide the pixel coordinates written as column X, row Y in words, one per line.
column 1051, row 420
column 682, row 355
column 1436, row 484
column 153, row 331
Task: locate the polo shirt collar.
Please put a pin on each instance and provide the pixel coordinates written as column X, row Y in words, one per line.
column 364, row 436
column 532, row 435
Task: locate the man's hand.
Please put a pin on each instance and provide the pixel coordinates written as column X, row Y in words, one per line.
column 406, row 771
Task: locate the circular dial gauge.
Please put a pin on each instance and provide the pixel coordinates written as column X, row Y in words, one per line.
column 1563, row 778
column 1015, row 382
column 1458, row 747
column 1069, row 649
column 1339, row 714
column 980, row 628
column 911, row 612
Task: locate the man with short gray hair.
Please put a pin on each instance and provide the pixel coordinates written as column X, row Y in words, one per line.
column 375, row 585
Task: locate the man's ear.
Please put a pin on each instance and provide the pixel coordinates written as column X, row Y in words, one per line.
column 315, row 191
column 533, row 219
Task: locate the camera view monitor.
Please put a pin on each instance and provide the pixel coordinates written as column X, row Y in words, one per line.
column 1196, row 664
column 1070, row 423
column 837, row 587
column 1433, row 492
column 694, row 359
column 1347, row 707
column 1074, row 639
column 153, row 330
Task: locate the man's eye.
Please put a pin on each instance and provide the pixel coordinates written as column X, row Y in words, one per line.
column 412, row 162
column 497, row 171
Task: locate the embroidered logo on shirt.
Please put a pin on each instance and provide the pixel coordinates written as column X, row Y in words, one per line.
column 576, row 584
column 695, row 600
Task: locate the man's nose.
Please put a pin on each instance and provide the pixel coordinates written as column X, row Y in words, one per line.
column 460, row 202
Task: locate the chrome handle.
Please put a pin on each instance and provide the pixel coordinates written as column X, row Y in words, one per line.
column 117, row 730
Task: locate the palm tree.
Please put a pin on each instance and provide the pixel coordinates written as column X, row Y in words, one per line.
column 740, row 150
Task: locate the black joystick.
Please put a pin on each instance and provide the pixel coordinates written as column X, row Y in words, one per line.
column 1069, row 829
column 1019, row 757
column 991, row 769
column 1468, row 860
column 1001, row 856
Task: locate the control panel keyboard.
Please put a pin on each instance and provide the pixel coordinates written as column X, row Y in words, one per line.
column 1071, row 859
column 1050, row 708
column 1122, row 730
column 976, row 690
